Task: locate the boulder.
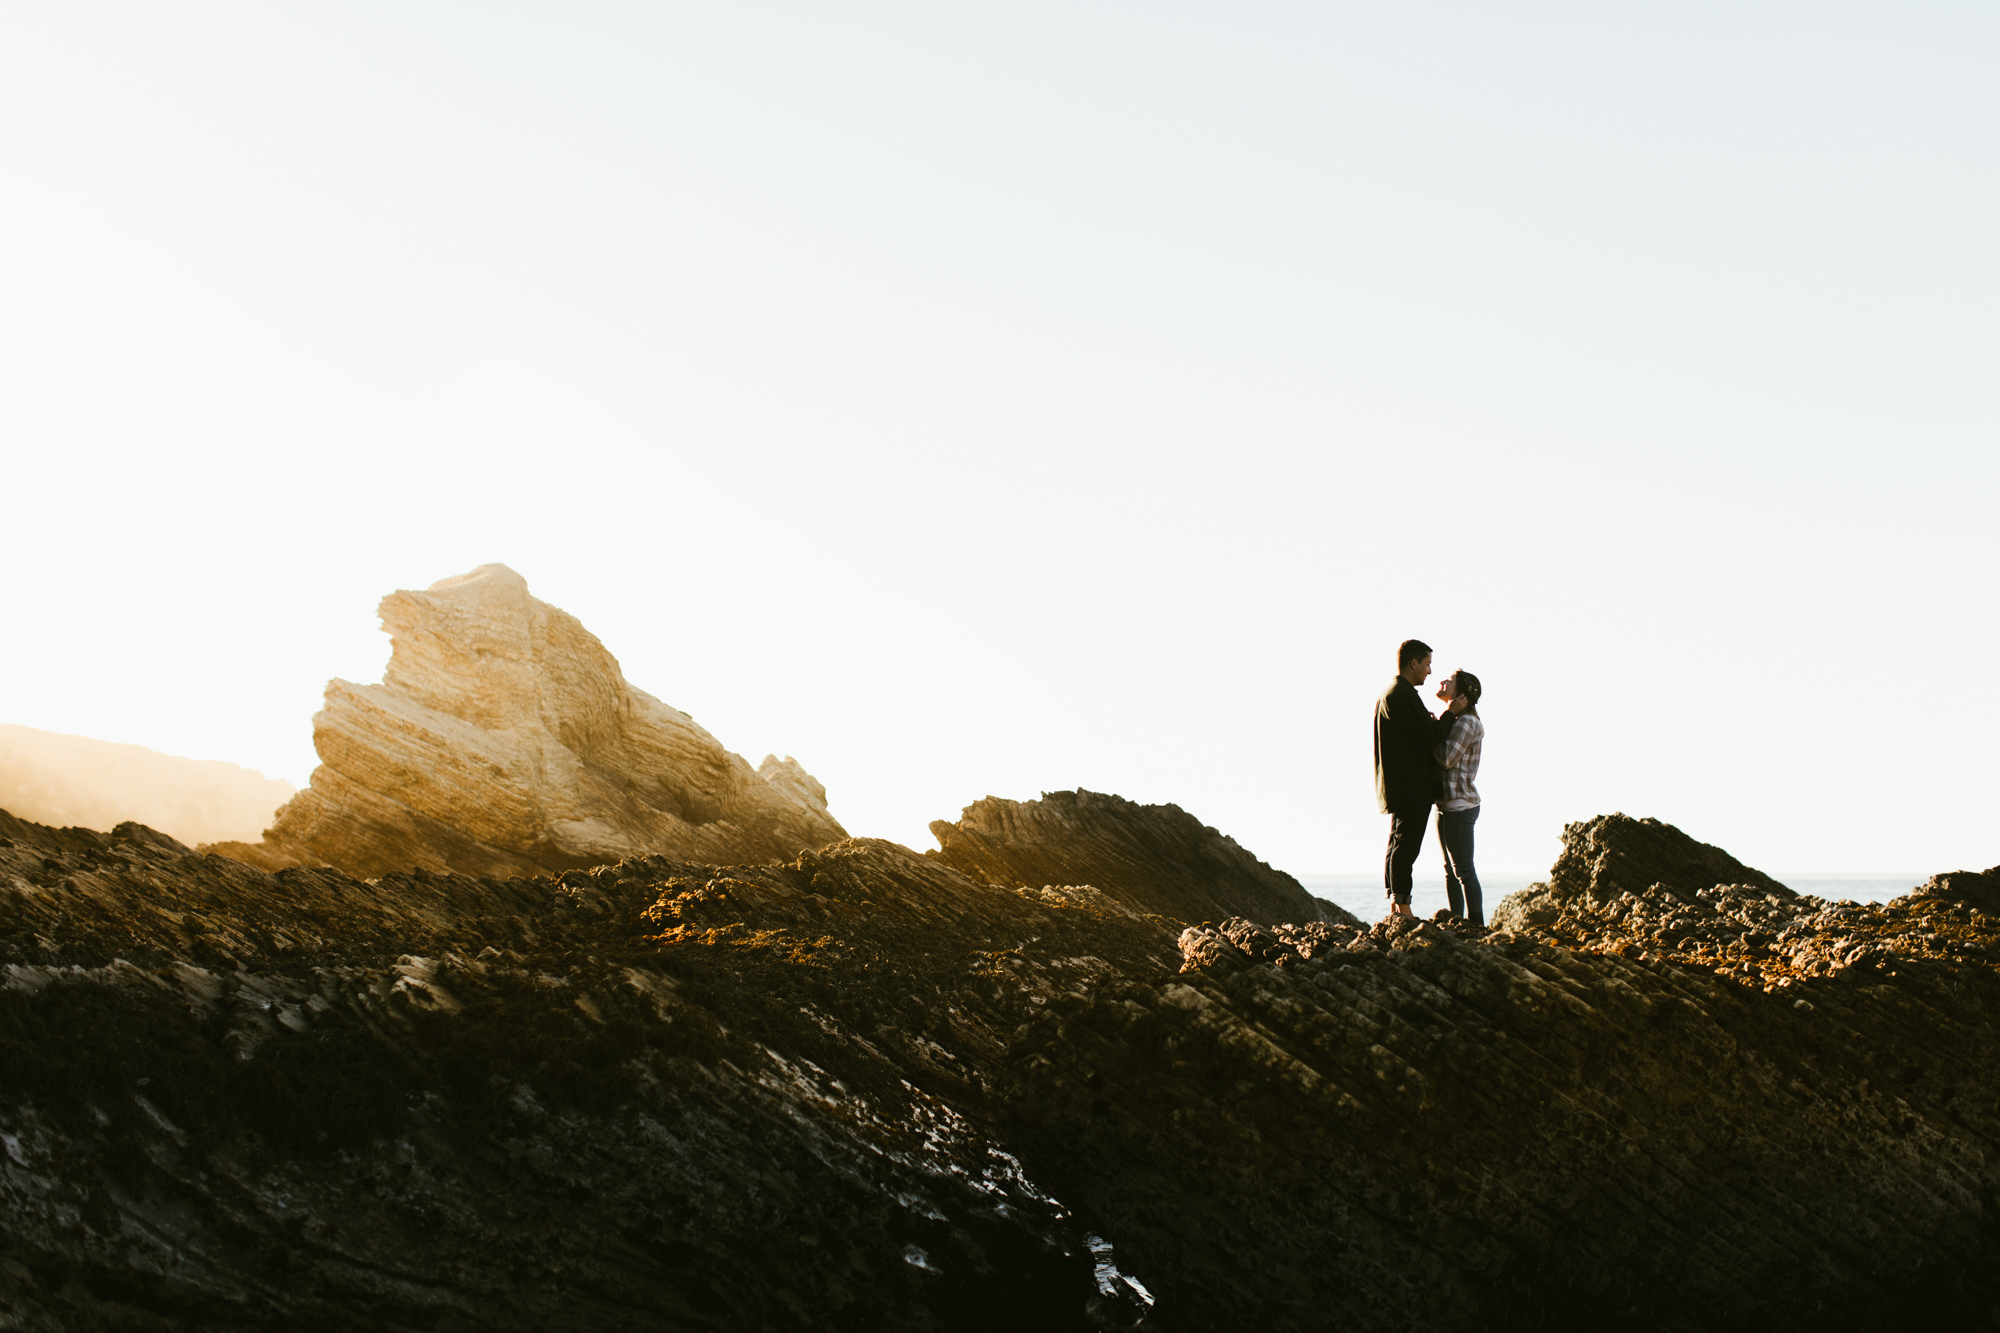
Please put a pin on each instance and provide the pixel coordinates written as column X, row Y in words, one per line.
column 504, row 739
column 1155, row 858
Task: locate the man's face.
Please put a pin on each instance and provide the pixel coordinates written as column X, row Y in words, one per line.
column 1418, row 671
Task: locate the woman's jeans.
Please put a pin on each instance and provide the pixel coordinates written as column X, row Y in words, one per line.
column 1461, row 881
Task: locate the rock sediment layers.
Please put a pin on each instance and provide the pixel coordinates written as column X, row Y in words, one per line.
column 1154, row 858
column 504, row 740
column 862, row 1089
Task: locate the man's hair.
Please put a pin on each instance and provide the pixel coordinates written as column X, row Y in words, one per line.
column 1411, row 650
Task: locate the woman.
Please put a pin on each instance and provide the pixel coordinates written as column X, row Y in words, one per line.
column 1458, row 810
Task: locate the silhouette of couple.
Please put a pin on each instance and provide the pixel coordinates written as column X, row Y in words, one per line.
column 1421, row 761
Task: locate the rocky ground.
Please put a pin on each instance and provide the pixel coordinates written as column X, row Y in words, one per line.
column 861, row 1089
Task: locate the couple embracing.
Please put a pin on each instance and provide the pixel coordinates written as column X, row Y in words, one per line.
column 1421, row 761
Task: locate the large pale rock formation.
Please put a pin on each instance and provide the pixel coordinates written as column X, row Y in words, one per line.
column 504, row 739
column 52, row 778
column 1155, row 858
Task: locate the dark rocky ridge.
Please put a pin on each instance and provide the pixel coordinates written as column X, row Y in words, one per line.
column 864, row 1090
column 1154, row 858
column 1616, row 854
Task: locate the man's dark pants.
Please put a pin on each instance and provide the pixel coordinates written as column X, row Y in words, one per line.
column 1406, row 839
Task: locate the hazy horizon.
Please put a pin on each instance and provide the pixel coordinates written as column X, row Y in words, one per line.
column 994, row 399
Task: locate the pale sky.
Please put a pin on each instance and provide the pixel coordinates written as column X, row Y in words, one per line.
column 998, row 398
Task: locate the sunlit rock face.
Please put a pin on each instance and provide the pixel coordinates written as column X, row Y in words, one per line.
column 504, row 739
column 1154, row 858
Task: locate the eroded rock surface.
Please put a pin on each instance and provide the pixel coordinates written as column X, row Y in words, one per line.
column 1155, row 858
column 1613, row 854
column 504, row 740
column 861, row 1089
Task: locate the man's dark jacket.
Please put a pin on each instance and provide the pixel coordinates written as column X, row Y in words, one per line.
column 1407, row 777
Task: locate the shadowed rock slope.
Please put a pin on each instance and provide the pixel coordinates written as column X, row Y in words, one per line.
column 1154, row 858
column 654, row 1095
column 863, row 1090
column 504, row 740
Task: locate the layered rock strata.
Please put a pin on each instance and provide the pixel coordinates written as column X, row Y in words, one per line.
column 1153, row 858
column 504, row 740
column 862, row 1089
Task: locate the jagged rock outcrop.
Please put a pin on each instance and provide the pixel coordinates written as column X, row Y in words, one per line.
column 1964, row 888
column 862, row 1089
column 1613, row 854
column 504, row 740
column 75, row 780
column 1154, row 858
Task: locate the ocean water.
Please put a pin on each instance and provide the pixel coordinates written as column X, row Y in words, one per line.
column 1362, row 894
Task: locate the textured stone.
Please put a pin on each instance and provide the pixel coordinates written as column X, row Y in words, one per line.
column 1156, row 858
column 504, row 739
column 649, row 1095
column 861, row 1089
column 1613, row 854
column 1977, row 889
column 1786, row 1120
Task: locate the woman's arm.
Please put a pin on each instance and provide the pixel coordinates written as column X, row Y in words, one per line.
column 1451, row 750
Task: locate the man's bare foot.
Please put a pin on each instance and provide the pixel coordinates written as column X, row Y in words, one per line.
column 1400, row 909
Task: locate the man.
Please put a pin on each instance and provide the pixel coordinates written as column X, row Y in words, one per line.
column 1406, row 774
